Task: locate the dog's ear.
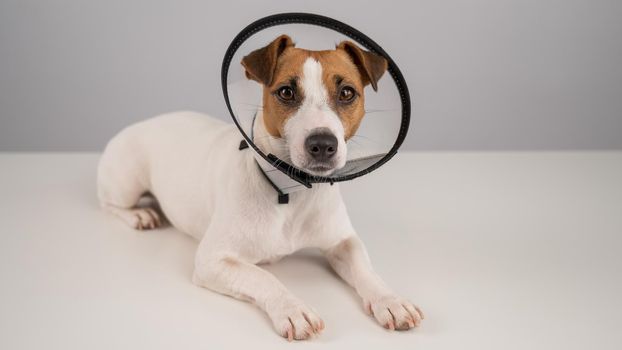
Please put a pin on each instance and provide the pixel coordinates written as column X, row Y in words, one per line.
column 370, row 65
column 261, row 63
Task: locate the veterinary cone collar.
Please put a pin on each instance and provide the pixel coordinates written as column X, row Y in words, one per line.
column 315, row 99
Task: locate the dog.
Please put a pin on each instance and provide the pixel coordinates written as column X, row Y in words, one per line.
column 313, row 102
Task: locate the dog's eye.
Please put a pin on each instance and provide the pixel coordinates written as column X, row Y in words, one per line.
column 346, row 94
column 286, row 93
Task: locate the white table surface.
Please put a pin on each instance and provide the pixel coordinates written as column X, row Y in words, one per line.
column 501, row 251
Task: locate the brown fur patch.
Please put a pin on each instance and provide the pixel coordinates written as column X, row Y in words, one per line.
column 340, row 67
column 288, row 68
column 339, row 71
column 260, row 64
column 370, row 65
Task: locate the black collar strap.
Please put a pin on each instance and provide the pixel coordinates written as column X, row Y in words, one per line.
column 283, row 198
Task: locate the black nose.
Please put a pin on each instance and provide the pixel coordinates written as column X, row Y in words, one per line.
column 321, row 146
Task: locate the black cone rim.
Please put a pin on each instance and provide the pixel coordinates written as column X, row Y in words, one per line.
column 362, row 39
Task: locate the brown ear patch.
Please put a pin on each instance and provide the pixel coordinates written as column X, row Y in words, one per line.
column 339, row 70
column 260, row 64
column 370, row 65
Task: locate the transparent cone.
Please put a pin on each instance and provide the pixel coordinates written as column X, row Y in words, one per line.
column 383, row 124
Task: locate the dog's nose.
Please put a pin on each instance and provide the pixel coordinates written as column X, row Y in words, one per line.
column 321, row 146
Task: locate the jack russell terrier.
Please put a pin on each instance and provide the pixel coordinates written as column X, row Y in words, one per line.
column 313, row 102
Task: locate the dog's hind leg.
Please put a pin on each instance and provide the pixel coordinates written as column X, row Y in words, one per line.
column 122, row 180
column 138, row 218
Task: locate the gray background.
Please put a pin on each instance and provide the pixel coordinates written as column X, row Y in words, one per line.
column 490, row 75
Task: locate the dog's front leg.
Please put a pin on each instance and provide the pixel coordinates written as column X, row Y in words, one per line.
column 231, row 276
column 350, row 260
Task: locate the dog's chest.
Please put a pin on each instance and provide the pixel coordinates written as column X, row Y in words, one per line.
column 285, row 235
column 308, row 221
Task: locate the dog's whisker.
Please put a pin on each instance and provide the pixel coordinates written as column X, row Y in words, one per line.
column 249, row 104
column 270, row 137
column 381, row 110
column 368, row 139
column 372, row 140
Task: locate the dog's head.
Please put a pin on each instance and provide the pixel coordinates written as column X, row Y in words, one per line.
column 313, row 101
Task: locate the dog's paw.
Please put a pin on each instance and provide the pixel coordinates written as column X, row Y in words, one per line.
column 393, row 312
column 294, row 320
column 144, row 218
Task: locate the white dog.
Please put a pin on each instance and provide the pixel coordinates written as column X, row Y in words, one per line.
column 313, row 102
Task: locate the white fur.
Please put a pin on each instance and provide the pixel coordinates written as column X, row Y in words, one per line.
column 211, row 190
column 314, row 113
